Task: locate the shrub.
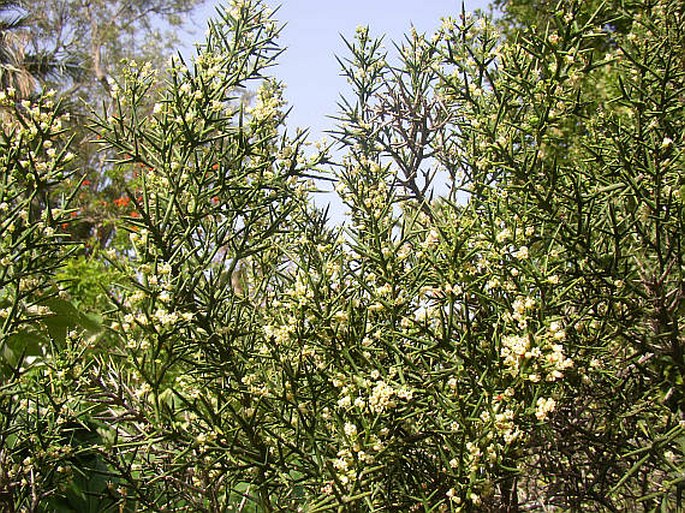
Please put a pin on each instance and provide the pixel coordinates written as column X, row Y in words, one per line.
column 495, row 329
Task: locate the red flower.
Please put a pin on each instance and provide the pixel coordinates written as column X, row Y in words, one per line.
column 122, row 201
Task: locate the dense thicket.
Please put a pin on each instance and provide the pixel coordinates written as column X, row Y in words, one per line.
column 495, row 328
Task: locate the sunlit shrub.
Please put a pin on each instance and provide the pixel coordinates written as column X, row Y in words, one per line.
column 495, row 328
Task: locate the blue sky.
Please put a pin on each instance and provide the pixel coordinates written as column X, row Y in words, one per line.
column 312, row 36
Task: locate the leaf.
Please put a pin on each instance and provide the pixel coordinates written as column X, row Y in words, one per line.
column 66, row 316
column 23, row 343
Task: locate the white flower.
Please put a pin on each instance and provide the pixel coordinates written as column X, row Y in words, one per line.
column 350, row 430
column 381, row 397
column 503, row 235
column 522, row 253
column 670, row 456
column 666, row 143
column 543, row 407
column 432, row 238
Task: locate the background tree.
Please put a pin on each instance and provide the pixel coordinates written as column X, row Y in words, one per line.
column 85, row 42
column 96, row 35
column 13, row 72
column 20, row 67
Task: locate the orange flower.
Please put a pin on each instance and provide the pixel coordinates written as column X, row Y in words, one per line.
column 122, row 201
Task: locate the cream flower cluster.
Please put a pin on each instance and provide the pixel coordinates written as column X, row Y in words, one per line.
column 544, row 407
column 374, row 395
column 269, row 105
column 549, row 359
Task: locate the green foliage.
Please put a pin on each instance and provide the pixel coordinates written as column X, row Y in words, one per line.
column 497, row 328
column 34, row 161
column 39, row 403
column 88, row 280
column 76, row 48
